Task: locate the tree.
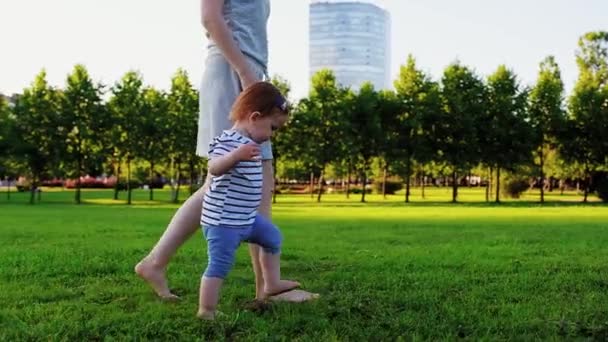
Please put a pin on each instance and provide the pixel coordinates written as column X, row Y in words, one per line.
column 388, row 111
column 419, row 114
column 505, row 141
column 321, row 122
column 35, row 129
column 127, row 107
column 8, row 141
column 463, row 101
column 83, row 122
column 6, row 119
column 365, row 131
column 585, row 136
column 282, row 140
column 183, row 115
column 547, row 115
column 154, row 131
column 299, row 152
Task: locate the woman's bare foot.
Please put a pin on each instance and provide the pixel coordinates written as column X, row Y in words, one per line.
column 281, row 287
column 155, row 277
column 295, row 296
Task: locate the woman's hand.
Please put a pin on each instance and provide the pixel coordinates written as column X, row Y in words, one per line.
column 247, row 78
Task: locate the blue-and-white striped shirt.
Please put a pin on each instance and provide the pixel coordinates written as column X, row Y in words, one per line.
column 233, row 198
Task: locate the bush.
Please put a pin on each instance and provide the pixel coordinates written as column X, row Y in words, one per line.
column 316, row 189
column 292, row 189
column 358, row 191
column 23, row 187
column 88, row 182
column 122, row 185
column 91, row 183
column 391, row 187
column 602, row 189
column 156, row 183
column 52, row 182
column 515, row 187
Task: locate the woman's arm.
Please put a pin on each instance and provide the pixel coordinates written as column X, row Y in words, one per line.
column 213, row 21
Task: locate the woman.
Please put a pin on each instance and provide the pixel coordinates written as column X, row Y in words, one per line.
column 237, row 57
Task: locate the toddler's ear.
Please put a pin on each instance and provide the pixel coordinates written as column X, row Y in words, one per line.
column 255, row 115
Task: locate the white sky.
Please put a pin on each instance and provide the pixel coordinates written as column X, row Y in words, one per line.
column 158, row 36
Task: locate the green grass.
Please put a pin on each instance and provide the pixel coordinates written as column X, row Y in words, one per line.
column 433, row 195
column 385, row 270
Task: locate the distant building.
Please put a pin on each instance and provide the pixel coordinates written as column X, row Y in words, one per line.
column 352, row 38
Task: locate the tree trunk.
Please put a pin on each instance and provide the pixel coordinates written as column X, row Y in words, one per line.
column 454, row 187
column 320, row 184
column 117, row 175
column 348, row 182
column 171, row 168
column 491, row 181
column 276, row 181
column 33, row 190
column 38, row 190
column 407, row 188
column 497, row 184
column 179, row 175
column 423, row 183
column 562, row 187
column 191, row 164
column 384, row 180
column 78, row 174
column 129, row 181
column 8, row 188
column 363, row 188
column 407, row 179
column 151, row 189
column 587, row 183
column 488, row 186
column 312, row 184
column 542, row 175
column 274, row 191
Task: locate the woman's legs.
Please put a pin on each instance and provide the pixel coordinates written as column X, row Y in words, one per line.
column 267, row 235
column 265, row 210
column 215, row 107
column 184, row 223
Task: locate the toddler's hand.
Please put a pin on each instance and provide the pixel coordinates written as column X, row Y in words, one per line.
column 247, row 152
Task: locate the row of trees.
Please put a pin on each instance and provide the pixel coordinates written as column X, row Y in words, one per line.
column 459, row 125
column 72, row 132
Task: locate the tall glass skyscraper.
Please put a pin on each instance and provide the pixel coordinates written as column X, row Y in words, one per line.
column 352, row 38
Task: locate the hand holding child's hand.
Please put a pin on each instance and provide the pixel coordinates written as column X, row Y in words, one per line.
column 247, row 79
column 247, row 152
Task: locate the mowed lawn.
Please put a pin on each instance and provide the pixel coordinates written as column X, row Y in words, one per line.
column 385, row 270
